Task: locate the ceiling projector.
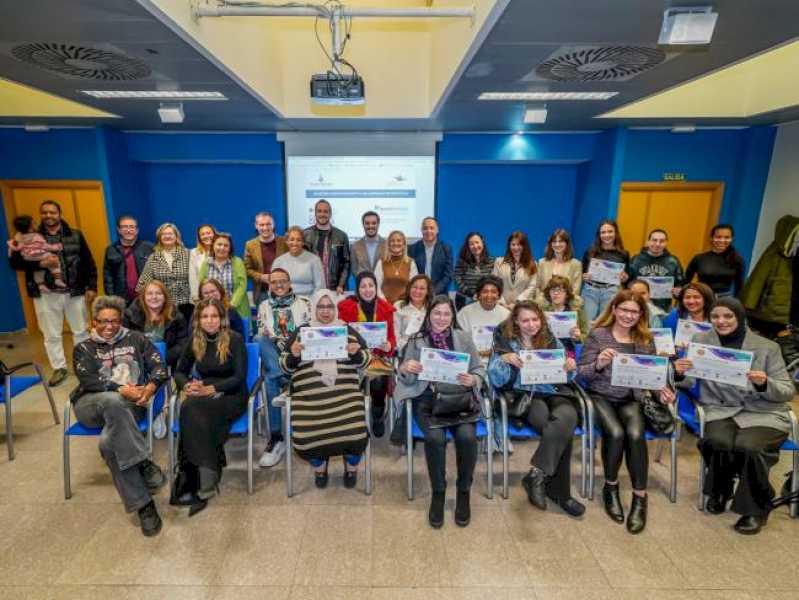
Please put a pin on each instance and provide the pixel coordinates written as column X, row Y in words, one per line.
column 337, row 89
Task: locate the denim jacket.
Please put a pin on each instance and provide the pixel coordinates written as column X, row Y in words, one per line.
column 501, row 373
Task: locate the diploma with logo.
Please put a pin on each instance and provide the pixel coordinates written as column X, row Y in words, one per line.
column 660, row 287
column 323, row 342
column 561, row 323
column 724, row 365
column 543, row 366
column 483, row 336
column 443, row 366
column 374, row 334
column 686, row 330
column 664, row 342
column 605, row 271
column 642, row 371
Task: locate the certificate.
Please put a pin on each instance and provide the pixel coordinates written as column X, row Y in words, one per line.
column 543, row 366
column 374, row 334
column 443, row 366
column 642, row 371
column 483, row 336
column 724, row 365
column 686, row 330
column 414, row 325
column 605, row 271
column 660, row 287
column 664, row 343
column 561, row 323
column 323, row 342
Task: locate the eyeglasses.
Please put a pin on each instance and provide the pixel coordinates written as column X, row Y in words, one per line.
column 133, row 227
column 107, row 322
column 627, row 311
column 325, row 306
column 557, row 290
column 279, row 282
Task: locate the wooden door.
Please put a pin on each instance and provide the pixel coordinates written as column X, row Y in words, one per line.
column 686, row 211
column 82, row 206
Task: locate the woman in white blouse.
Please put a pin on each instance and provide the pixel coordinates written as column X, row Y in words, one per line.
column 411, row 308
column 517, row 270
column 205, row 238
column 559, row 260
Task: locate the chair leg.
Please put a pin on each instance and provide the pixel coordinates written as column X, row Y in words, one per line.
column 65, row 455
column 368, row 467
column 673, row 466
column 9, row 435
column 794, row 506
column 47, row 391
column 409, row 446
column 659, row 452
column 583, row 466
column 150, row 417
column 289, row 451
column 490, row 459
column 591, row 463
column 250, row 440
column 505, row 458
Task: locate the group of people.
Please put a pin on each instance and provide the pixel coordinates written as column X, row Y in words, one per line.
column 196, row 302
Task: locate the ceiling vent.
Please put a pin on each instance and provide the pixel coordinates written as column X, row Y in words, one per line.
column 599, row 63
column 81, row 62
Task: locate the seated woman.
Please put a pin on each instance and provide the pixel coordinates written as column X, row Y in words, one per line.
column 212, row 378
column 328, row 416
column 154, row 314
column 551, row 413
column 366, row 306
column 693, row 304
column 395, row 268
column 410, row 310
column 440, row 330
column 211, row 289
column 557, row 296
column 621, row 329
column 745, row 427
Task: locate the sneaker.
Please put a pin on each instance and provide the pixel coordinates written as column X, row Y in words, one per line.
column 154, row 477
column 272, row 455
column 58, row 376
column 159, row 426
column 149, row 519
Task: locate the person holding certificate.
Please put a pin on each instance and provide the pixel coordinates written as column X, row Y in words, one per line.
column 693, row 304
column 367, row 307
column 482, row 317
column 517, row 270
column 440, row 331
column 745, row 427
column 410, row 310
column 621, row 329
column 558, row 297
column 654, row 313
column 328, row 416
column 551, row 412
column 659, row 267
column 601, row 281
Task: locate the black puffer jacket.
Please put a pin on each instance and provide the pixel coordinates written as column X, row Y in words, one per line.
column 176, row 332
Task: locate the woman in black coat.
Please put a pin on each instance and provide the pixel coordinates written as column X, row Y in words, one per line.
column 154, row 314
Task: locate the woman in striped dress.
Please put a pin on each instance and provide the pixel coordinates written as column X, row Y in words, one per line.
column 328, row 416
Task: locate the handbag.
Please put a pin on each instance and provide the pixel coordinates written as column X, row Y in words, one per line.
column 657, row 415
column 518, row 404
column 449, row 402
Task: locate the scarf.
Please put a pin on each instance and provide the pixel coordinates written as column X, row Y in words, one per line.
column 368, row 307
column 441, row 340
column 328, row 367
column 736, row 338
column 282, row 318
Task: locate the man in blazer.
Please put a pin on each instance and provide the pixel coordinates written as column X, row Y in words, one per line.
column 260, row 252
column 432, row 256
column 369, row 249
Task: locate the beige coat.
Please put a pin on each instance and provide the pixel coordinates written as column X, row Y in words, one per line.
column 524, row 287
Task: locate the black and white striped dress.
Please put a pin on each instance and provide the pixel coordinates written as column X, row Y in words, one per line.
column 327, row 420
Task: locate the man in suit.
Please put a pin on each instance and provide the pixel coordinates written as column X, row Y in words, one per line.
column 369, row 249
column 259, row 254
column 432, row 256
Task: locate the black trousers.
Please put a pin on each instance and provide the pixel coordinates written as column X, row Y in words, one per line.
column 555, row 418
column 435, row 447
column 748, row 453
column 623, row 425
column 378, row 389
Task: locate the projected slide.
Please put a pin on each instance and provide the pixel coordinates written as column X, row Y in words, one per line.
column 399, row 188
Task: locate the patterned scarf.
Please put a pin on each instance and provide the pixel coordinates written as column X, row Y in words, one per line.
column 441, row 340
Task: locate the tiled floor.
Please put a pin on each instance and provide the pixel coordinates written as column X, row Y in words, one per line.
column 339, row 543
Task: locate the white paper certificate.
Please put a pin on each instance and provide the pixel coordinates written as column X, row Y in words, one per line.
column 543, row 366
column 562, row 323
column 374, row 334
column 605, row 271
column 483, row 336
column 414, row 325
column 443, row 366
column 323, row 342
column 660, row 287
column 686, row 330
column 724, row 365
column 664, row 343
column 643, row 371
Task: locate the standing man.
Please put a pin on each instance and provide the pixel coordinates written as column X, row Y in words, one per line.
column 655, row 260
column 124, row 260
column 332, row 247
column 80, row 275
column 369, row 249
column 259, row 254
column 433, row 257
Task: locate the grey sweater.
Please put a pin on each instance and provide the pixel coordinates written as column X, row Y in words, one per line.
column 304, row 270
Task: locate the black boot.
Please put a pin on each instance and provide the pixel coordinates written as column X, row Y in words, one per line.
column 612, row 502
column 436, row 514
column 378, row 423
column 716, row 504
column 751, row 524
column 535, row 484
column 636, row 520
column 463, row 512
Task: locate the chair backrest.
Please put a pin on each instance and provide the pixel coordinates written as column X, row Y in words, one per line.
column 160, row 396
column 253, row 364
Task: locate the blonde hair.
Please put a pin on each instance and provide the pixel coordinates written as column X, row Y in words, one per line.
column 387, row 252
column 199, row 341
column 160, row 231
column 167, row 312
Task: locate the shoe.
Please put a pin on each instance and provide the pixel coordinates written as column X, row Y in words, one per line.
column 159, row 426
column 636, row 520
column 612, row 502
column 436, row 515
column 463, row 512
column 716, row 504
column 57, row 377
column 197, row 507
column 750, row 524
column 272, row 455
column 149, row 519
column 154, row 477
column 535, row 485
column 350, row 479
column 186, row 499
column 320, row 478
column 570, row 506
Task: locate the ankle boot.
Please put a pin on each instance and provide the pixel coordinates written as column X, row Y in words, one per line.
column 463, row 512
column 436, row 514
column 612, row 502
column 636, row 520
column 535, row 484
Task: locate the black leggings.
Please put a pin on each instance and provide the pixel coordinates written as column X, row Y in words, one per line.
column 623, row 425
column 378, row 389
column 554, row 418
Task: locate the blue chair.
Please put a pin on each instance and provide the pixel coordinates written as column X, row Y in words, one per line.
column 244, row 425
column 14, row 385
column 145, row 425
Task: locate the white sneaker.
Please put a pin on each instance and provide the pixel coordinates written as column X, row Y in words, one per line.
column 159, row 426
column 272, row 457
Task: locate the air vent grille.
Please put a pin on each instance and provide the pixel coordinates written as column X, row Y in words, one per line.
column 81, row 62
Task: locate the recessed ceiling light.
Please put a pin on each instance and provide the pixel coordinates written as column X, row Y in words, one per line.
column 546, row 95
column 535, row 115
column 171, row 112
column 155, row 95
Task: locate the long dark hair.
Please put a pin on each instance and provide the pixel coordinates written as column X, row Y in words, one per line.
column 703, row 290
column 568, row 254
column 596, row 247
column 731, row 256
column 526, row 259
column 466, row 255
column 511, row 330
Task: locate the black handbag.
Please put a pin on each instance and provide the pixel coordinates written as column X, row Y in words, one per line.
column 657, row 415
column 451, row 400
column 518, row 404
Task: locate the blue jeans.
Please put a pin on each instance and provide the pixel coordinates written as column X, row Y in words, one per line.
column 596, row 298
column 275, row 379
column 352, row 460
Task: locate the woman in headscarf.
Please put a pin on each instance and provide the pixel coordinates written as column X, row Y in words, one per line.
column 328, row 416
column 745, row 426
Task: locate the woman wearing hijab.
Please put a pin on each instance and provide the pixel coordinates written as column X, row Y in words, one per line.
column 328, row 417
column 744, row 427
column 367, row 307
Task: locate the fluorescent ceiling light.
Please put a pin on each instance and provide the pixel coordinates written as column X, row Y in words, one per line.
column 155, row 95
column 535, row 115
column 546, row 95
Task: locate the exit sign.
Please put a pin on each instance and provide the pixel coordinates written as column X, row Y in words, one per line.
column 673, row 176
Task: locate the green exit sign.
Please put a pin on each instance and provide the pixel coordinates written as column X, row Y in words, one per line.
column 673, row 176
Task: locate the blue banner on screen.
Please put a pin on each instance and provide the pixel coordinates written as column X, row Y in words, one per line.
column 400, row 189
